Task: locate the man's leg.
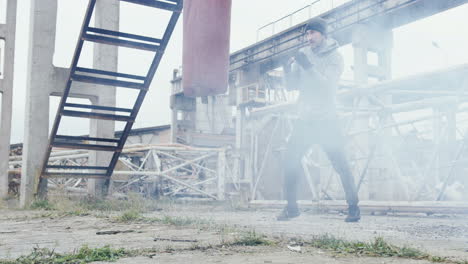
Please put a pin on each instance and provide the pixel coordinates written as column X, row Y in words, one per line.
column 296, row 148
column 340, row 163
column 333, row 142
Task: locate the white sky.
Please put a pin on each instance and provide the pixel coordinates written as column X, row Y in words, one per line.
column 413, row 49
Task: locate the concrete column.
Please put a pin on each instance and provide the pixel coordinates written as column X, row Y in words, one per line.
column 368, row 39
column 451, row 114
column 244, row 77
column 174, row 126
column 383, row 45
column 40, row 78
column 361, row 78
column 438, row 132
column 244, row 161
column 221, row 175
column 106, row 58
column 449, row 150
column 174, row 123
column 6, row 87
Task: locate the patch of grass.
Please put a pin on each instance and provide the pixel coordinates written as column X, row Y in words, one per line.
column 376, row 248
column 76, row 212
column 60, row 207
column 83, row 255
column 42, row 205
column 129, row 216
column 252, row 238
column 132, row 202
column 106, row 205
column 182, row 221
column 169, row 249
column 225, row 231
column 197, row 246
column 179, row 221
column 64, row 205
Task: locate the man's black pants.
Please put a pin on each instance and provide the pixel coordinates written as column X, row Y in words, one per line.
column 328, row 135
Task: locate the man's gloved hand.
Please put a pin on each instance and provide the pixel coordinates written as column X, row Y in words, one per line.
column 287, row 64
column 302, row 60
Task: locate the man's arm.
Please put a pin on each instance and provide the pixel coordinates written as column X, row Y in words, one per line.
column 292, row 74
column 302, row 60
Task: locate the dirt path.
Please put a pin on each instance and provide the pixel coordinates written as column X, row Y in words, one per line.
column 21, row 231
column 261, row 255
column 441, row 235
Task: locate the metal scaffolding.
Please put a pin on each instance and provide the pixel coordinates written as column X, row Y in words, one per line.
column 153, row 170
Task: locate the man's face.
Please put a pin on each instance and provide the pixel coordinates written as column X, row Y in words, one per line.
column 315, row 38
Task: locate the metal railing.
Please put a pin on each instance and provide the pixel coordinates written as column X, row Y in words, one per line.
column 300, row 15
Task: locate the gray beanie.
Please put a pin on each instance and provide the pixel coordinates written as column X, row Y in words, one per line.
column 317, row 24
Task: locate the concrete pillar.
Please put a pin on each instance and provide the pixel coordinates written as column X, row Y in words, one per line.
column 244, row 159
column 451, row 114
column 449, row 149
column 243, row 78
column 367, row 39
column 361, row 78
column 105, row 57
column 221, row 171
column 174, row 126
column 174, row 110
column 40, row 72
column 438, row 132
column 7, row 32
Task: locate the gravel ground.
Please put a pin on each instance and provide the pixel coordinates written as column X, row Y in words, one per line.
column 21, row 231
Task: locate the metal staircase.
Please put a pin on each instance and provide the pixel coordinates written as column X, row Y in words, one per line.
column 111, row 79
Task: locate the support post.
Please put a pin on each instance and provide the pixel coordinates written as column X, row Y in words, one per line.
column 107, row 14
column 40, row 74
column 372, row 39
column 6, row 88
column 221, row 174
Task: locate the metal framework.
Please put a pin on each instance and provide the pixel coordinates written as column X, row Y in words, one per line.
column 419, row 157
column 153, row 170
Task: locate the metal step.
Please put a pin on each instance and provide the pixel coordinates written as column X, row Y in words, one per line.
column 108, row 82
column 69, row 145
column 49, row 175
column 99, row 107
column 107, row 32
column 120, row 42
column 80, row 138
column 109, row 73
column 173, row 6
column 101, row 116
column 76, row 167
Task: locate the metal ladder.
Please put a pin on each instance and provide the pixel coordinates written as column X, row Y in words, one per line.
column 106, row 78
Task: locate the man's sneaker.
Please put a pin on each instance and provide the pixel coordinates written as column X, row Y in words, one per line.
column 354, row 214
column 288, row 213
